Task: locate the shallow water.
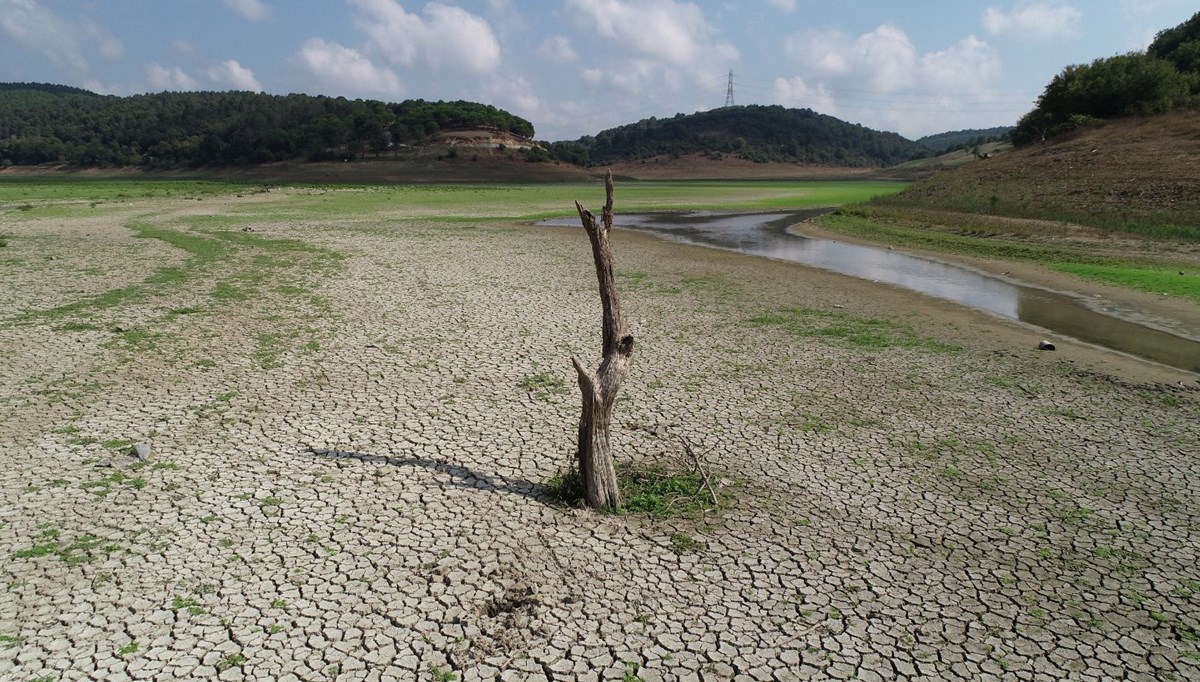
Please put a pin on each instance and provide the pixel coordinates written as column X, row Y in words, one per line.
column 765, row 234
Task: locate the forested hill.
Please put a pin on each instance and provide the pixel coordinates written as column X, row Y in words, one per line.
column 46, row 87
column 755, row 133
column 1163, row 78
column 960, row 138
column 42, row 123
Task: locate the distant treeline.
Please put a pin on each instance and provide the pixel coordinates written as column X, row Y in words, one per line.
column 755, row 133
column 964, row 139
column 42, row 123
column 1164, row 78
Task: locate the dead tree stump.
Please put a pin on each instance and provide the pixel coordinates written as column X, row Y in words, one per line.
column 599, row 391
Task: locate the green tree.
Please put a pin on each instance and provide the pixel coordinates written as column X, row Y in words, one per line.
column 1123, row 85
column 1180, row 46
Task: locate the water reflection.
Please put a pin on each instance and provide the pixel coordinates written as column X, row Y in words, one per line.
column 765, row 234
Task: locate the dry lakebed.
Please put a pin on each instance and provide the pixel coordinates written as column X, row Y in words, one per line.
column 353, row 411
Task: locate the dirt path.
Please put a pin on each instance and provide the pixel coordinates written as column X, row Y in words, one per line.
column 346, row 480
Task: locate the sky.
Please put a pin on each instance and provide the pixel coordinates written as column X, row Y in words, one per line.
column 576, row 67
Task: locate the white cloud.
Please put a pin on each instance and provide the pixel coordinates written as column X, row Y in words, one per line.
column 346, row 70
column 515, row 94
column 163, row 78
column 968, row 65
column 785, row 5
column 1035, row 20
column 64, row 42
column 251, row 9
column 233, row 74
column 660, row 51
column 557, row 49
column 183, row 48
column 637, row 77
column 674, row 32
column 882, row 60
column 444, row 38
column 882, row 80
column 795, row 92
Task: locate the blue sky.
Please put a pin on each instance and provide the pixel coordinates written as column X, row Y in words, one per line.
column 575, row 67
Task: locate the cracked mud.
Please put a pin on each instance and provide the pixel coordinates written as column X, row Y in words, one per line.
column 348, row 458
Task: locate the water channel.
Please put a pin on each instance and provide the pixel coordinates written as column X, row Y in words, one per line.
column 765, row 234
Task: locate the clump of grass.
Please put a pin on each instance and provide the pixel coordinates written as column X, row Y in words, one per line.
column 654, row 489
column 188, row 604
column 104, row 486
column 681, row 544
column 226, row 292
column 542, row 384
column 231, row 661
column 82, row 549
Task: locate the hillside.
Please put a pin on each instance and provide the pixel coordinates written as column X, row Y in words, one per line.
column 42, row 124
column 1163, row 78
column 753, row 133
column 957, row 139
column 1136, row 174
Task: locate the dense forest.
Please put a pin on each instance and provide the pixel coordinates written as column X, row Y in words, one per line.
column 42, row 123
column 1165, row 77
column 755, row 133
column 962, row 139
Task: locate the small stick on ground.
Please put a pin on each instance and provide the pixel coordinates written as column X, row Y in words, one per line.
column 704, row 475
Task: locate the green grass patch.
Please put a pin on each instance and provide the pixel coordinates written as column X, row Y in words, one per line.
column 1165, row 280
column 201, row 249
column 543, row 384
column 104, row 486
column 188, row 604
column 65, row 188
column 226, row 292
column 82, row 549
column 79, row 327
column 972, row 240
column 844, row 329
column 682, row 543
column 470, row 202
column 236, row 660
column 656, row 490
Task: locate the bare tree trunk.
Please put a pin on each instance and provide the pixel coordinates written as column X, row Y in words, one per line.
column 596, row 467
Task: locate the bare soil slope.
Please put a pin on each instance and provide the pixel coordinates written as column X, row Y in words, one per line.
column 1133, row 169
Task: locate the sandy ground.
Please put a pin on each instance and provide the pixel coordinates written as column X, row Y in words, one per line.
column 346, row 480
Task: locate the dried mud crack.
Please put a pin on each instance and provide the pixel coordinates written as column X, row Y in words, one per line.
column 353, row 418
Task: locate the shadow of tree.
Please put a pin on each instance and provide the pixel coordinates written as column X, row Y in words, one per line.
column 460, row 476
